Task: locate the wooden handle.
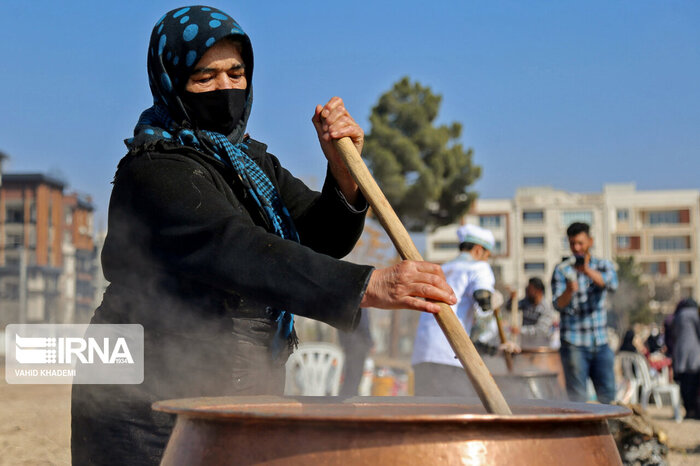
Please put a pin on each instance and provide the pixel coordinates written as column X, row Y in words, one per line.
column 502, row 336
column 514, row 321
column 481, row 378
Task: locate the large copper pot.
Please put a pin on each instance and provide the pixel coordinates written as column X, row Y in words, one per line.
column 540, row 357
column 386, row 431
column 537, row 373
column 530, row 384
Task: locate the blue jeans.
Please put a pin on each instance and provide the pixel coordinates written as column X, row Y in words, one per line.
column 581, row 362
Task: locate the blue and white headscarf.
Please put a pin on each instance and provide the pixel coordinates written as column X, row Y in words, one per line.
column 178, row 41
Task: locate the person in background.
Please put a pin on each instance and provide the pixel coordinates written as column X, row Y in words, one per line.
column 654, row 350
column 655, row 340
column 357, row 345
column 628, row 342
column 668, row 335
column 437, row 370
column 537, row 316
column 580, row 284
column 686, row 354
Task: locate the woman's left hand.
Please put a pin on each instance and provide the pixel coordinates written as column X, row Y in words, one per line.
column 332, row 121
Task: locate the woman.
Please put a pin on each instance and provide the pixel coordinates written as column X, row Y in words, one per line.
column 686, row 354
column 213, row 246
column 628, row 342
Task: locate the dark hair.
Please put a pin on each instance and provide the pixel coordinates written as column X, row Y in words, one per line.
column 628, row 342
column 686, row 302
column 536, row 283
column 466, row 246
column 576, row 228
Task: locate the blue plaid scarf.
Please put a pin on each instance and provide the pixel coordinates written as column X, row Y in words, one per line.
column 177, row 43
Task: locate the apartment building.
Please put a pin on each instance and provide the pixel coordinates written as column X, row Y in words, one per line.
column 46, row 250
column 658, row 228
column 80, row 267
column 3, row 157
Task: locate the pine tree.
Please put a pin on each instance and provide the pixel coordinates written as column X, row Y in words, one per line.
column 422, row 169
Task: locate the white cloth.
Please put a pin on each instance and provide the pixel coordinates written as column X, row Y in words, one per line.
column 465, row 276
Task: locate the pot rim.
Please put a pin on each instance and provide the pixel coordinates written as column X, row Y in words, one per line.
column 310, row 409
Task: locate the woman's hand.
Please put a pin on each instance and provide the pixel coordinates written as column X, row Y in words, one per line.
column 332, row 121
column 407, row 285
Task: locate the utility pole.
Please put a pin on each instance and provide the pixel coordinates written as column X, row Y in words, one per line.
column 22, row 285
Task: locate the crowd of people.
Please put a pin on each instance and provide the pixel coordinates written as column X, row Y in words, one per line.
column 672, row 349
column 579, row 286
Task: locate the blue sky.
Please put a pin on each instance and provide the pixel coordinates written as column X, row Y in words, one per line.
column 567, row 94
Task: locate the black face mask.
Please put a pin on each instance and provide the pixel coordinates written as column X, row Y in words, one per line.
column 219, row 110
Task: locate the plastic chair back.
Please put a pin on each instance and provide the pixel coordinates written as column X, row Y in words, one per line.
column 314, row 369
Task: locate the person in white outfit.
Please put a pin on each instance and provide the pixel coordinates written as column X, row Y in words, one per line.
column 437, row 370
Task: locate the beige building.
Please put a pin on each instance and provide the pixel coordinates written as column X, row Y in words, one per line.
column 658, row 228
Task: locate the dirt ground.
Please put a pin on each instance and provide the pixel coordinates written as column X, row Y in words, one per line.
column 35, row 427
column 34, row 424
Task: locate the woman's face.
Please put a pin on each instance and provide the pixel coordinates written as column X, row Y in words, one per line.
column 221, row 67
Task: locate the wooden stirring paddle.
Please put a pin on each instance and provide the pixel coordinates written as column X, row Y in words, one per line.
column 478, row 373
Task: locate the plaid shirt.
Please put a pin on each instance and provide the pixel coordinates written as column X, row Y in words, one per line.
column 584, row 319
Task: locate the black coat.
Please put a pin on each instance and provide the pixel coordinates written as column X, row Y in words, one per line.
column 181, row 219
column 191, row 258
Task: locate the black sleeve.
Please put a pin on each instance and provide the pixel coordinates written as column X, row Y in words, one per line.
column 327, row 223
column 194, row 231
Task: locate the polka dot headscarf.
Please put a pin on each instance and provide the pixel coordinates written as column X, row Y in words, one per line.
column 178, row 41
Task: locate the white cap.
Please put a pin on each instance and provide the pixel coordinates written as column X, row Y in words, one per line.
column 476, row 235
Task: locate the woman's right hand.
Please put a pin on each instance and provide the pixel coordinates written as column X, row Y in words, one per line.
column 407, row 285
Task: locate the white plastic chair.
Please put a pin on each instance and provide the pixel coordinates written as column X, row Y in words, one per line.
column 314, row 369
column 641, row 385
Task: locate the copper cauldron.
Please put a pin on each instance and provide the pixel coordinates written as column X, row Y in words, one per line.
column 540, row 357
column 386, row 431
column 530, row 384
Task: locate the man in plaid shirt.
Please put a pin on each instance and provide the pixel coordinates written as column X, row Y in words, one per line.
column 579, row 286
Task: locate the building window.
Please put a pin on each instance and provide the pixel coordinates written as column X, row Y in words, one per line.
column 498, row 247
column 12, row 262
column 533, row 216
column 585, row 216
column 443, row 245
column 685, row 268
column 565, row 243
column 669, row 217
column 14, row 214
column 654, row 268
column 623, row 215
column 11, row 291
column 534, row 266
column 13, row 240
column 626, row 242
column 533, row 241
column 32, row 237
column 32, row 212
column 671, row 243
column 490, row 221
column 623, row 242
